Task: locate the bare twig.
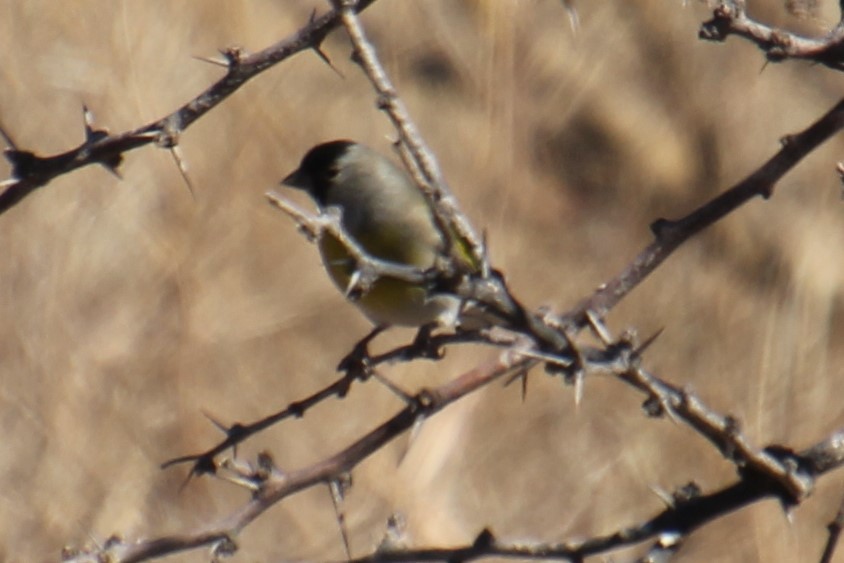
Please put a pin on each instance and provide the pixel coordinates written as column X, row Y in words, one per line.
column 730, row 18
column 622, row 359
column 669, row 235
column 337, row 488
column 834, row 529
column 723, row 432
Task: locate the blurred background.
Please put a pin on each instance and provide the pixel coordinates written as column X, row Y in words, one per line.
column 131, row 307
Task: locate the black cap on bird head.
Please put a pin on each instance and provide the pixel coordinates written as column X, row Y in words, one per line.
column 318, row 168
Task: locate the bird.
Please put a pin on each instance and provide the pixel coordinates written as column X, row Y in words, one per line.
column 383, row 211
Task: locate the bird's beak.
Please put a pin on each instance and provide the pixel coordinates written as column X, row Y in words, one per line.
column 297, row 179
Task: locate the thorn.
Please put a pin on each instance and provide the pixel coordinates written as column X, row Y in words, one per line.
column 337, row 488
column 317, row 47
column 10, row 143
column 663, row 495
column 598, row 328
column 353, row 287
column 412, row 436
column 154, row 134
column 209, row 60
column 113, row 171
column 186, row 481
column 396, row 390
column 183, row 168
column 110, row 163
column 545, row 357
column 220, row 426
column 486, row 267
column 239, row 476
column 578, row 387
column 322, row 55
column 574, row 19
column 521, row 374
column 524, row 385
column 87, row 118
column 415, row 430
column 655, row 406
column 788, row 511
column 93, row 135
column 839, row 168
column 647, row 343
column 230, row 432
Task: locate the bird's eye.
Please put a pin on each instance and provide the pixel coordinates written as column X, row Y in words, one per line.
column 332, row 172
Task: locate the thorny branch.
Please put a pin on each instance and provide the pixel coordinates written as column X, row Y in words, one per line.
column 689, row 512
column 773, row 472
column 269, row 484
column 238, row 433
column 30, row 172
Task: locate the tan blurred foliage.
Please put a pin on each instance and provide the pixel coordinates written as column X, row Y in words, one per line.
column 130, row 307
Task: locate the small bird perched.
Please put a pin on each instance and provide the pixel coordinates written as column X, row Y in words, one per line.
column 384, row 212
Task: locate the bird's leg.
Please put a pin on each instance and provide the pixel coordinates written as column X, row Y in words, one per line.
column 423, row 346
column 356, row 363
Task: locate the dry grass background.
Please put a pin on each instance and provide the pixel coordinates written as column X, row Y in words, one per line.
column 129, row 307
